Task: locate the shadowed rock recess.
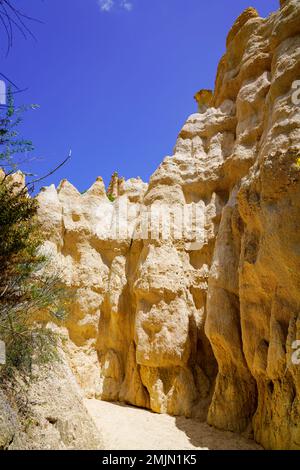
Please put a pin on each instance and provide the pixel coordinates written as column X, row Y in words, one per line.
column 200, row 330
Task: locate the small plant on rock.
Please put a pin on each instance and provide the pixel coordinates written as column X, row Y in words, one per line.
column 111, row 197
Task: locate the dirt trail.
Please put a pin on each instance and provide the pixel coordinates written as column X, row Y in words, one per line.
column 128, row 428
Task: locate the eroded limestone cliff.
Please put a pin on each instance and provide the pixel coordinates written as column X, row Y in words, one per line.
column 202, row 324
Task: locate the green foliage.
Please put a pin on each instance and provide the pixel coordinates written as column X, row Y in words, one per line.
column 30, row 293
column 111, row 197
column 12, row 145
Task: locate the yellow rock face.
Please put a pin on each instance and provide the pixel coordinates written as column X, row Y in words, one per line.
column 202, row 323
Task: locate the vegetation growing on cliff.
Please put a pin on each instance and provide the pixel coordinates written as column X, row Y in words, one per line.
column 110, row 197
column 27, row 287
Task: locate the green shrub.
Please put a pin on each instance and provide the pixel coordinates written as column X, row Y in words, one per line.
column 111, row 197
column 30, row 293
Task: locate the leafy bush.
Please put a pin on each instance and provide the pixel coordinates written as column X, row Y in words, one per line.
column 29, row 290
column 111, row 197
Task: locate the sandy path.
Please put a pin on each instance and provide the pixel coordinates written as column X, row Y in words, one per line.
column 128, row 428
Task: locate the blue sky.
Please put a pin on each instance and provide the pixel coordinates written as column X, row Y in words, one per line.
column 115, row 79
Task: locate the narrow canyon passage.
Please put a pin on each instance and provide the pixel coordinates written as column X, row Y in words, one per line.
column 128, row 428
column 185, row 290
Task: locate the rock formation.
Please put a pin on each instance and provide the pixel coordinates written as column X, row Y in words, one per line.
column 48, row 414
column 201, row 323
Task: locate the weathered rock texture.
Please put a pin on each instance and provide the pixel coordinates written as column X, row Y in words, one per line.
column 47, row 412
column 201, row 325
column 9, row 425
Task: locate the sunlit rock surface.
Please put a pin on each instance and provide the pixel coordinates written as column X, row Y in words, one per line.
column 200, row 323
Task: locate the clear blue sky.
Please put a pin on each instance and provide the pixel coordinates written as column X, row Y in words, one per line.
column 116, row 84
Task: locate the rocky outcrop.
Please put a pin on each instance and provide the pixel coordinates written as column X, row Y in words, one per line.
column 46, row 412
column 188, row 288
column 9, row 424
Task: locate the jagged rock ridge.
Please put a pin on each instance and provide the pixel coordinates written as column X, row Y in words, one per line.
column 202, row 330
